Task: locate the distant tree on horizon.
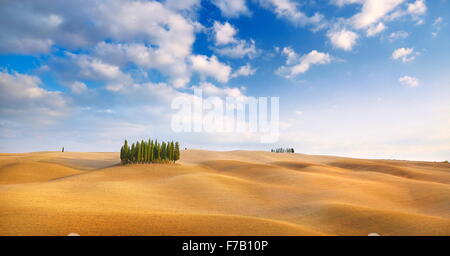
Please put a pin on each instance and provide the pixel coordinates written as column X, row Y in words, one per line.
column 283, row 150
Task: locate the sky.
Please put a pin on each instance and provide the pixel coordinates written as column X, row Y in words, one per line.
column 359, row 78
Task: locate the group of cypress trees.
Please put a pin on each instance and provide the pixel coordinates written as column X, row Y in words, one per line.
column 282, row 150
column 150, row 152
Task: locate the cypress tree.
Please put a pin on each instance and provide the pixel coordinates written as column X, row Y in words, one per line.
column 142, row 151
column 168, row 151
column 177, row 151
column 171, row 149
column 157, row 151
column 151, row 151
column 133, row 150
column 125, row 152
column 128, row 154
column 147, row 153
column 121, row 154
column 163, row 151
column 138, row 152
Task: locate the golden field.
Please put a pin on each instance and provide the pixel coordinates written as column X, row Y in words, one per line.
column 221, row 193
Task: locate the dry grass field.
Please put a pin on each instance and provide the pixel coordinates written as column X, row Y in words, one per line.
column 221, row 193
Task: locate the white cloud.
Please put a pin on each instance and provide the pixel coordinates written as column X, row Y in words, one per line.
column 404, row 54
column 168, row 35
column 291, row 55
column 95, row 20
column 224, row 33
column 239, row 49
column 343, row 39
column 345, row 2
column 437, row 21
column 303, row 63
column 150, row 21
column 417, row 8
column 245, row 70
column 372, row 11
column 174, row 67
column 232, row 8
column 21, row 96
column 375, row 29
column 437, row 26
column 209, row 89
column 211, row 66
column 182, row 5
column 106, row 111
column 229, row 45
column 375, row 13
column 78, row 87
column 288, row 9
column 92, row 68
column 25, row 45
column 409, row 81
column 398, row 35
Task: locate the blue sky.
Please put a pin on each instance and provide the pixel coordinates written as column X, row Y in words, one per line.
column 361, row 78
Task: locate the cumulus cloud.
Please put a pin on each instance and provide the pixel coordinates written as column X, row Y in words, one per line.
column 291, row 55
column 25, row 45
column 22, row 96
column 224, row 33
column 72, row 67
column 211, row 67
column 209, row 89
column 345, row 2
column 372, row 11
column 437, row 26
column 398, row 35
column 343, row 39
column 182, row 5
column 229, row 45
column 175, row 68
column 404, row 54
column 150, row 21
column 437, row 21
column 232, row 8
column 409, row 81
column 28, row 31
column 289, row 10
column 43, row 24
column 240, row 49
column 245, row 70
column 300, row 65
column 417, row 8
column 373, row 30
column 78, row 87
column 375, row 13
